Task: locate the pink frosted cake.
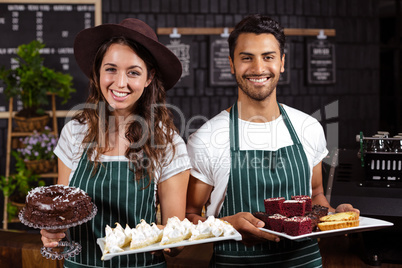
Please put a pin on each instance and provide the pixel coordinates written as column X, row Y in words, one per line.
column 306, row 198
column 273, row 205
column 291, row 208
column 297, row 226
column 276, row 222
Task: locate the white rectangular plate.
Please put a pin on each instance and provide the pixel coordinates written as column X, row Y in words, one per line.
column 366, row 224
column 156, row 246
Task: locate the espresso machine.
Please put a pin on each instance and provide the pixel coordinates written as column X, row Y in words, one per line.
column 370, row 178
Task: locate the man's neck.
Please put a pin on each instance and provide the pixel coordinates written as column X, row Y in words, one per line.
column 258, row 111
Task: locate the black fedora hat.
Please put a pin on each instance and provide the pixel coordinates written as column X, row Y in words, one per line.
column 88, row 41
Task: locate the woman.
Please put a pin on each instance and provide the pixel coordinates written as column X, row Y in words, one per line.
column 122, row 149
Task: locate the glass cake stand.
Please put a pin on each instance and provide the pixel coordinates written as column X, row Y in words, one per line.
column 66, row 248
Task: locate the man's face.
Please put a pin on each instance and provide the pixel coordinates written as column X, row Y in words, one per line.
column 257, row 64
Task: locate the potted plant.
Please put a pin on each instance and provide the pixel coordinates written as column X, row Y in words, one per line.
column 37, row 151
column 32, row 81
column 16, row 186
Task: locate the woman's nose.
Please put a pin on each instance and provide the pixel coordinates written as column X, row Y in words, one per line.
column 121, row 80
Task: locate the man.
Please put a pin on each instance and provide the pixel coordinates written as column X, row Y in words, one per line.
column 255, row 150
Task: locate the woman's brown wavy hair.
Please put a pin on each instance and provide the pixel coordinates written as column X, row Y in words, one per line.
column 150, row 131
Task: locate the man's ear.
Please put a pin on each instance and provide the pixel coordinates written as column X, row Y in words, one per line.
column 283, row 63
column 231, row 65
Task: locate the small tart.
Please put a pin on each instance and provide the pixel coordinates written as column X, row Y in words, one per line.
column 342, row 216
column 332, row 225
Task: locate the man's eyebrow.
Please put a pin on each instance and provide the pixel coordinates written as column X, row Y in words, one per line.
column 251, row 54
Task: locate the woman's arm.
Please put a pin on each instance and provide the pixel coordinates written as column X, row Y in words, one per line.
column 172, row 196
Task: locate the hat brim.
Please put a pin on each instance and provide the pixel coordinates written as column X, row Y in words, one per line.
column 88, row 41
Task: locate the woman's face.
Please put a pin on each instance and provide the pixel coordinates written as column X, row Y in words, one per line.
column 123, row 77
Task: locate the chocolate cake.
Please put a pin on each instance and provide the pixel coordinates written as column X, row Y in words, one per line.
column 57, row 205
column 276, row 222
column 320, row 211
column 264, row 217
column 306, row 198
column 314, row 220
column 273, row 205
column 297, row 226
column 291, row 208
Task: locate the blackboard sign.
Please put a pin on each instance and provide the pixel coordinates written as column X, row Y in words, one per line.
column 181, row 47
column 321, row 62
column 219, row 64
column 284, row 79
column 56, row 24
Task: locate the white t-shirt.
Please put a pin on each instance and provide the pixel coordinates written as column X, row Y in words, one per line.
column 69, row 149
column 209, row 147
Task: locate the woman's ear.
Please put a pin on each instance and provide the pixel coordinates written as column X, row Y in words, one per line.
column 150, row 77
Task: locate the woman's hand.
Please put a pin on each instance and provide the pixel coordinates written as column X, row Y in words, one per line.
column 51, row 238
column 247, row 225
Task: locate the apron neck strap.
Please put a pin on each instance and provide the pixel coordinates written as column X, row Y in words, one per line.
column 234, row 127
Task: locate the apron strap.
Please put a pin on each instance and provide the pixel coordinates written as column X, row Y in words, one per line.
column 289, row 125
column 234, row 127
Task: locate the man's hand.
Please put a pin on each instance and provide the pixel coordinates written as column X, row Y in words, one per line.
column 247, row 225
column 346, row 208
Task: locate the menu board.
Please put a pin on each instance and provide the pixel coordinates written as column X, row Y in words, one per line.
column 56, row 24
column 220, row 74
column 181, row 47
column 321, row 62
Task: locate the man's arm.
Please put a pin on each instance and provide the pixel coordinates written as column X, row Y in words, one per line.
column 245, row 223
column 318, row 196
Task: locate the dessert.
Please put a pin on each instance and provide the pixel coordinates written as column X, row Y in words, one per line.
column 273, row 205
column 176, row 231
column 291, row 208
column 315, row 219
column 116, row 238
column 57, row 205
column 276, row 222
column 319, row 210
column 212, row 227
column 339, row 221
column 297, row 225
column 144, row 235
column 262, row 216
column 328, row 225
column 305, row 198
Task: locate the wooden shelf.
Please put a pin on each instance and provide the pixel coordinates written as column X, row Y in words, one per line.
column 13, row 132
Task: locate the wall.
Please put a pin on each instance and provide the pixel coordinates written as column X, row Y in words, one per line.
column 355, row 92
column 357, row 56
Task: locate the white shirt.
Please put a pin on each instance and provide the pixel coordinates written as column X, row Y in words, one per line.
column 209, row 147
column 70, row 148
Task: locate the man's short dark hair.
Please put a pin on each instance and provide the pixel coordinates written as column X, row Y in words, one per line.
column 257, row 24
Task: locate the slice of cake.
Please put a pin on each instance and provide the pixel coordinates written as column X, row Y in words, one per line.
column 305, row 198
column 276, row 222
column 297, row 226
column 319, row 210
column 212, row 227
column 332, row 225
column 264, row 217
column 144, row 235
column 176, row 231
column 291, row 208
column 273, row 205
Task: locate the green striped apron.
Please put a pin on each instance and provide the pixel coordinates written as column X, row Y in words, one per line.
column 119, row 198
column 254, row 176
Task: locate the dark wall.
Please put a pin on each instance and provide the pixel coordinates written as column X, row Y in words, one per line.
column 355, row 93
column 356, row 90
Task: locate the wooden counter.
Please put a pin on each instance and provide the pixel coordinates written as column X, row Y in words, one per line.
column 22, row 249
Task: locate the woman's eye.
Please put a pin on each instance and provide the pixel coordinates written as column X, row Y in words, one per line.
column 110, row 69
column 133, row 73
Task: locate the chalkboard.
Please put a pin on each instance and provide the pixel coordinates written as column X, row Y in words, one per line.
column 56, row 24
column 219, row 65
column 321, row 62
